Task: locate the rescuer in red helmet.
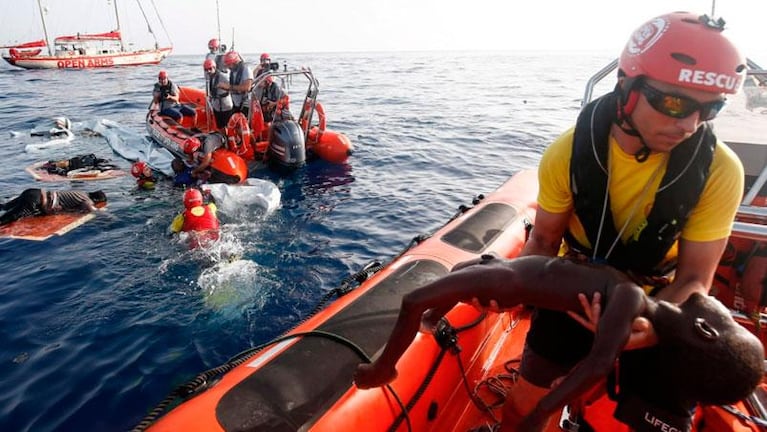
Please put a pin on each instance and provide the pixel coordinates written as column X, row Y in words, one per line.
column 240, row 81
column 199, row 150
column 264, row 65
column 216, row 53
column 198, row 219
column 165, row 97
column 643, row 184
column 220, row 100
column 145, row 176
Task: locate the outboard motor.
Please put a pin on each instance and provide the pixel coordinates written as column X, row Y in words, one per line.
column 287, row 150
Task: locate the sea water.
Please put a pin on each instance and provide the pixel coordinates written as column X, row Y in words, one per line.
column 100, row 324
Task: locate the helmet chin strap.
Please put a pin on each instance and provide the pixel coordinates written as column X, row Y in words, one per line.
column 625, row 123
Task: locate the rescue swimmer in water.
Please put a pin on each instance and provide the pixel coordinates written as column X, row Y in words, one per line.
column 691, row 340
column 198, row 220
column 146, row 178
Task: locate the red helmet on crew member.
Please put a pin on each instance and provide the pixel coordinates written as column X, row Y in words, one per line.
column 137, row 169
column 213, row 44
column 191, row 145
column 231, row 58
column 162, row 75
column 686, row 50
column 208, row 64
column 192, row 198
column 265, row 56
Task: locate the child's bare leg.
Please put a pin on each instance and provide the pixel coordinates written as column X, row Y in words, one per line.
column 523, row 398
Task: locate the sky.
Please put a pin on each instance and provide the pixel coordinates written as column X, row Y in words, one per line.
column 295, row 26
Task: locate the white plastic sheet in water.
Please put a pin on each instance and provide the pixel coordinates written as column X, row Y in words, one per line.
column 133, row 146
column 234, row 199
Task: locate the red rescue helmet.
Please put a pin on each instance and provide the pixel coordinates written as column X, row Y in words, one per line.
column 686, row 50
column 191, row 145
column 265, row 56
column 192, row 198
column 137, row 169
column 231, row 58
column 213, row 44
column 162, row 75
column 208, row 64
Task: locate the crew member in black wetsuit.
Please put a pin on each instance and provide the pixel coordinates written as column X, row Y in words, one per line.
column 40, row 202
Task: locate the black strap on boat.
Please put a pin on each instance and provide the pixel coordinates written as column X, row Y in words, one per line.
column 404, row 415
column 201, row 381
column 446, row 337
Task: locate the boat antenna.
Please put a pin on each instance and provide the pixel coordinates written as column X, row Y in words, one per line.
column 218, row 19
column 45, row 29
column 232, row 48
column 713, row 8
column 162, row 24
column 117, row 18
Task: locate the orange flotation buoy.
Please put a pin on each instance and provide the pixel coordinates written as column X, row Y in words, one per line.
column 320, row 110
column 329, row 145
column 230, row 163
column 257, row 121
column 239, row 136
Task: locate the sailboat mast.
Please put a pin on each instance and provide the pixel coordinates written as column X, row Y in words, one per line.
column 45, row 29
column 117, row 18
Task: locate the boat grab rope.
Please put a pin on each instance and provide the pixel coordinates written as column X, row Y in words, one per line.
column 201, row 381
column 346, row 286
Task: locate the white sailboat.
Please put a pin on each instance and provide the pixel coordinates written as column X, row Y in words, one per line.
column 85, row 51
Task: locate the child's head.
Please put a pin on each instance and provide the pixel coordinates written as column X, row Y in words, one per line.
column 710, row 358
column 98, row 197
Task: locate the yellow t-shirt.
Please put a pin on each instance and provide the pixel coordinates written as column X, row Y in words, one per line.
column 711, row 219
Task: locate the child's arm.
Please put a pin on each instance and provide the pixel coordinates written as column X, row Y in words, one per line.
column 439, row 297
column 383, row 370
column 624, row 302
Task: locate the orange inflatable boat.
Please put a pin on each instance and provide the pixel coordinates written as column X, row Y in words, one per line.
column 453, row 380
column 286, row 144
column 171, row 135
